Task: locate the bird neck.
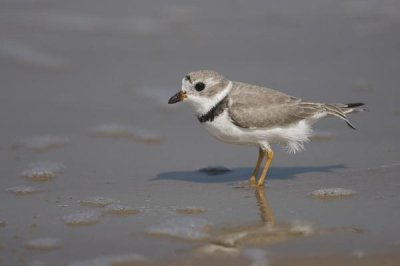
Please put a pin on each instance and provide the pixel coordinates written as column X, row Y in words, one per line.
column 203, row 104
column 215, row 111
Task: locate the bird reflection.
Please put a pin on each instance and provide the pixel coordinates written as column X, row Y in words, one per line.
column 266, row 214
column 268, row 232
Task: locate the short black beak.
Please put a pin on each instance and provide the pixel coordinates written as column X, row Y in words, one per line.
column 180, row 96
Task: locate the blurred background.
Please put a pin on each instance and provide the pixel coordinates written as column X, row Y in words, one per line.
column 66, row 65
column 69, row 66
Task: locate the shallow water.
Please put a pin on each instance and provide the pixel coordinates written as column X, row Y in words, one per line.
column 69, row 66
column 332, row 193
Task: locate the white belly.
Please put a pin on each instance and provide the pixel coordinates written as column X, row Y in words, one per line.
column 292, row 137
column 223, row 129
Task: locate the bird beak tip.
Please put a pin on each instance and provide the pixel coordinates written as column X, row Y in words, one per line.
column 178, row 97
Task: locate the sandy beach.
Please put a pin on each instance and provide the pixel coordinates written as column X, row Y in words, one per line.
column 97, row 168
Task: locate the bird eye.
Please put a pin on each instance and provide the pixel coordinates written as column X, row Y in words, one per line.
column 199, row 86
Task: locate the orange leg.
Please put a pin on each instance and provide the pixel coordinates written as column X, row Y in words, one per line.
column 270, row 156
column 253, row 180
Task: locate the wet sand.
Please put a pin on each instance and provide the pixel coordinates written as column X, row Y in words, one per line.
column 386, row 259
column 97, row 168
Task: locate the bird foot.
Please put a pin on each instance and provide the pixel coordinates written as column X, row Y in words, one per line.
column 253, row 181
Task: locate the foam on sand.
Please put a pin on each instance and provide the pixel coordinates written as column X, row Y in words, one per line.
column 301, row 228
column 190, row 210
column 82, row 218
column 184, row 228
column 42, row 171
column 23, row 190
column 332, row 193
column 96, row 201
column 120, row 209
column 44, row 244
column 215, row 249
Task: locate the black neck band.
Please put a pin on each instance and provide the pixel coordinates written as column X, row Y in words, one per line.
column 215, row 111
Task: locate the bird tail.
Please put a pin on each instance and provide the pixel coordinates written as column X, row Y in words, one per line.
column 341, row 110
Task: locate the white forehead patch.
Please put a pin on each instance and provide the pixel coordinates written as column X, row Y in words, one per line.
column 185, row 86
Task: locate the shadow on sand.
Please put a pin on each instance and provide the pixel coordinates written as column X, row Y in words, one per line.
column 241, row 174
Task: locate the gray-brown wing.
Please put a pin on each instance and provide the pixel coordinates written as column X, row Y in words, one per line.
column 257, row 107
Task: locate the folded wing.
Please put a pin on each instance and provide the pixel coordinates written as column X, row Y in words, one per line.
column 257, row 107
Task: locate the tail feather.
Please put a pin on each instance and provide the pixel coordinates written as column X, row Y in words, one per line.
column 352, row 105
column 351, row 108
column 340, row 111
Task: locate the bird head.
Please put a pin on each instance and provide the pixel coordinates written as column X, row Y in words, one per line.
column 202, row 89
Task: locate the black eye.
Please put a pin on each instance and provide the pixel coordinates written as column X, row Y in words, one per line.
column 199, row 86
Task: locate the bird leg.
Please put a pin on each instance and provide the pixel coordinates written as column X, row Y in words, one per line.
column 253, row 180
column 270, row 156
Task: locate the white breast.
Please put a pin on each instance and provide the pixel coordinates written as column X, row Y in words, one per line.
column 223, row 129
column 293, row 137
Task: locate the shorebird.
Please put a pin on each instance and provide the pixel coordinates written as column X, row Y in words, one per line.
column 236, row 112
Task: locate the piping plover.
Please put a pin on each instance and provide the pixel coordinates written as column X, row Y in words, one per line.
column 241, row 113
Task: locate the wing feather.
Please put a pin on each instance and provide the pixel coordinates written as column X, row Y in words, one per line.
column 257, row 107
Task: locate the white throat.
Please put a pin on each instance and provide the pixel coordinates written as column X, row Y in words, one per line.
column 201, row 105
